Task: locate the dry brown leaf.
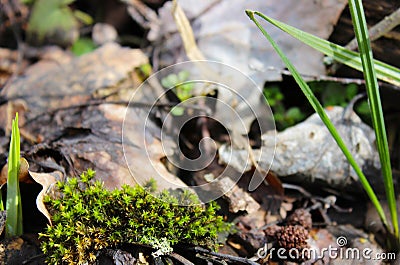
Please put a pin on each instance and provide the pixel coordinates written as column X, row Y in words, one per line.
column 47, row 180
column 15, row 244
column 73, row 82
column 80, row 129
column 224, row 33
column 23, row 175
column 183, row 24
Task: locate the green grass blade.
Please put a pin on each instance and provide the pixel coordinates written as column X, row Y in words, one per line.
column 1, row 201
column 321, row 112
column 13, row 202
column 18, row 192
column 371, row 82
column 352, row 59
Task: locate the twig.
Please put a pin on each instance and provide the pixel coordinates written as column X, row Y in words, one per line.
column 350, row 107
column 32, row 259
column 225, row 256
column 142, row 14
column 186, row 32
column 298, row 188
column 211, row 260
column 378, row 30
column 342, row 80
column 205, row 132
column 179, row 258
column 319, row 203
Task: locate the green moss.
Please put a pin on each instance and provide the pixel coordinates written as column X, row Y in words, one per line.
column 88, row 218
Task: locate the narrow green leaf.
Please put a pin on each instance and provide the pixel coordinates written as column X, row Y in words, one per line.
column 371, row 82
column 324, row 117
column 18, row 193
column 13, row 203
column 1, row 201
column 83, row 17
column 352, row 59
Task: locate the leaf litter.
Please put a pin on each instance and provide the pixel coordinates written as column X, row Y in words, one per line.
column 83, row 130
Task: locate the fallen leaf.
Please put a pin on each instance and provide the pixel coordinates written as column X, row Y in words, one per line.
column 23, row 175
column 225, row 34
column 79, row 128
column 47, row 180
column 68, row 83
column 15, row 244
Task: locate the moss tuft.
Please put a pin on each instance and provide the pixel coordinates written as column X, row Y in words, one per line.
column 88, row 218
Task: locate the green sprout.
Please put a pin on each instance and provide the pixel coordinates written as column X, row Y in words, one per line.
column 13, row 202
column 181, row 88
column 284, row 117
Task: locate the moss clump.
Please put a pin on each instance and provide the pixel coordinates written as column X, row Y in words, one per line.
column 88, row 218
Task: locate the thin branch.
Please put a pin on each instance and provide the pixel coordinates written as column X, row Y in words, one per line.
column 225, row 256
column 180, row 258
column 380, row 29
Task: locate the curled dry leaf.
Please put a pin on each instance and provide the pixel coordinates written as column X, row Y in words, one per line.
column 47, row 180
column 23, row 175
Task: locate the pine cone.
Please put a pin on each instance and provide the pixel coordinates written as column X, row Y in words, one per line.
column 300, row 217
column 292, row 236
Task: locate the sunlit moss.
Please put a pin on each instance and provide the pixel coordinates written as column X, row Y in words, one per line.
column 88, row 218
